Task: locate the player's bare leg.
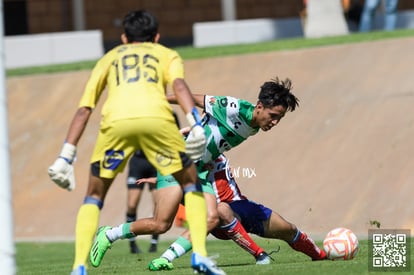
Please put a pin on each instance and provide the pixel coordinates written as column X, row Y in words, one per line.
column 164, row 213
column 163, row 218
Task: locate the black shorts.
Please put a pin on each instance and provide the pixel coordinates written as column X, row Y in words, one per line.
column 138, row 168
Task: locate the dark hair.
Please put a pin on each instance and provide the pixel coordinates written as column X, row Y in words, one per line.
column 276, row 92
column 140, row 26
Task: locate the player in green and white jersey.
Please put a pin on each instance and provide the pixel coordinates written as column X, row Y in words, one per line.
column 227, row 122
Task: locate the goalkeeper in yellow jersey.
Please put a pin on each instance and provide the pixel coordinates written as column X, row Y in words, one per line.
column 136, row 116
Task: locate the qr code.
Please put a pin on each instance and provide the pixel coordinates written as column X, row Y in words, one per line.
column 390, row 250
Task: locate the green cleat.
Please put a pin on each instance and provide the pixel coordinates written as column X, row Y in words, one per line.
column 160, row 264
column 100, row 246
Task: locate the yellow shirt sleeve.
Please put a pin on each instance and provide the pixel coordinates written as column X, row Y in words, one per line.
column 97, row 82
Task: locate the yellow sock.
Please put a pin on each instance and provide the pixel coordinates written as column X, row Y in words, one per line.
column 86, row 226
column 196, row 214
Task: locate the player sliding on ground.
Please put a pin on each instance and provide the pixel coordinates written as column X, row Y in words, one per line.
column 238, row 217
column 227, row 122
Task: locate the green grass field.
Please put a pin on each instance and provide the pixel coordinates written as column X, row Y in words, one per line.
column 56, row 258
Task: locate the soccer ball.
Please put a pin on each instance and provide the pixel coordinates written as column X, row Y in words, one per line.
column 340, row 244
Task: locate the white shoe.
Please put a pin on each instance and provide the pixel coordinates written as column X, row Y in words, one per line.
column 205, row 265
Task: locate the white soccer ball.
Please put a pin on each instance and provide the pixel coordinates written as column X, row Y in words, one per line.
column 340, row 244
